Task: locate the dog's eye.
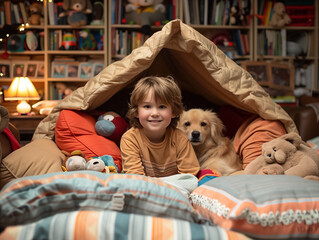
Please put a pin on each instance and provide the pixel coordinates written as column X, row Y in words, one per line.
column 203, row 124
column 187, row 124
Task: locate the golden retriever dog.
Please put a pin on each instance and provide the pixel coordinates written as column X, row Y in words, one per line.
column 214, row 151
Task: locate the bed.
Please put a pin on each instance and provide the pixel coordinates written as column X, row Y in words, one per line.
column 40, row 201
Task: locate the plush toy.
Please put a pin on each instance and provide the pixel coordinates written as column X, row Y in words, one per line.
column 287, row 155
column 112, row 126
column 87, row 40
column 36, row 14
column 76, row 161
column 145, row 13
column 279, row 17
column 235, row 16
column 68, row 42
column 76, row 11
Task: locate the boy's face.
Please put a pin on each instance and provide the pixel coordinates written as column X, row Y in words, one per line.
column 154, row 117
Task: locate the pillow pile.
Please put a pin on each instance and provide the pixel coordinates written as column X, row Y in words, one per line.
column 261, row 206
column 75, row 130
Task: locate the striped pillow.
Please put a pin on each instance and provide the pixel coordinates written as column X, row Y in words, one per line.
column 94, row 225
column 33, row 198
column 261, row 206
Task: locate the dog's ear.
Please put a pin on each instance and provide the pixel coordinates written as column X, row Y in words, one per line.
column 216, row 127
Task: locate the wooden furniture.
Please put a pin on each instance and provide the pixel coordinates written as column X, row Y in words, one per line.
column 26, row 124
column 47, row 83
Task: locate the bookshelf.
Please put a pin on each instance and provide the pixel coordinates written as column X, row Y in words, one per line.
column 114, row 35
column 300, row 36
column 232, row 33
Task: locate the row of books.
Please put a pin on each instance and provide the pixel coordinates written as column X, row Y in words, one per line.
column 279, row 43
column 301, row 12
column 54, row 10
column 126, row 41
column 14, row 12
column 272, row 42
column 215, row 12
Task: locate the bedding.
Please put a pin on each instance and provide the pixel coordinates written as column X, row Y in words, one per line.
column 64, row 205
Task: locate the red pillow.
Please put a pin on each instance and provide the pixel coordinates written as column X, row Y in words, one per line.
column 75, row 130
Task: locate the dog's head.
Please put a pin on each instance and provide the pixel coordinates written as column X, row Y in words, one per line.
column 201, row 126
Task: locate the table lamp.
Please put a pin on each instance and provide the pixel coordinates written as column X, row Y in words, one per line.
column 22, row 89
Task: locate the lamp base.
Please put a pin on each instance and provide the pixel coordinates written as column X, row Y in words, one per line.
column 23, row 107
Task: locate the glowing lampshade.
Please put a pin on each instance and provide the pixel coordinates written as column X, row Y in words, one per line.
column 22, row 89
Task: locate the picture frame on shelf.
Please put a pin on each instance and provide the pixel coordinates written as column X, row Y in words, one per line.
column 73, row 70
column 98, row 67
column 31, row 69
column 259, row 70
column 18, row 69
column 40, row 70
column 86, row 70
column 5, row 69
column 59, row 70
column 282, row 76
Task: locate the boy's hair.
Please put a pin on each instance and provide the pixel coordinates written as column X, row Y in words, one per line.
column 165, row 90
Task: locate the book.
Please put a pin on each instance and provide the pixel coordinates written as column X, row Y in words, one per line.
column 16, row 13
column 24, row 12
column 51, row 12
column 186, row 12
column 7, row 12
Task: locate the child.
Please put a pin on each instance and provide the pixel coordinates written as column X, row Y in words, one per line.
column 154, row 146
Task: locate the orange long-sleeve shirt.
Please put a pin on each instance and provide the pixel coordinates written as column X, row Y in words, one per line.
column 173, row 155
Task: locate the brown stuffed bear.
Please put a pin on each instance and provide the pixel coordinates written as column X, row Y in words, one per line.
column 36, row 14
column 279, row 18
column 76, row 11
column 287, row 155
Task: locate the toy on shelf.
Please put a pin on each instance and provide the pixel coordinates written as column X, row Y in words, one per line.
column 36, row 14
column 68, row 42
column 279, row 17
column 145, row 13
column 112, row 126
column 76, row 10
column 97, row 13
column 87, row 40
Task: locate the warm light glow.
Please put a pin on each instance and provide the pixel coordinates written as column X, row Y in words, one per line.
column 22, row 89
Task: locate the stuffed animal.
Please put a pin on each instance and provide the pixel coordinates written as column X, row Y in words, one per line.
column 145, row 13
column 87, row 40
column 76, row 161
column 279, row 17
column 36, row 14
column 76, row 11
column 235, row 16
column 112, row 126
column 287, row 155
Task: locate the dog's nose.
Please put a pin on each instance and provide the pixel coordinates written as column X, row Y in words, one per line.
column 195, row 134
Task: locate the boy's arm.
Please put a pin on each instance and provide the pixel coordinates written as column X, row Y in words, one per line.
column 186, row 158
column 131, row 159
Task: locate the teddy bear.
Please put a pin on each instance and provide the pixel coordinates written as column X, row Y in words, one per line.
column 76, row 11
column 279, row 17
column 288, row 155
column 112, row 126
column 36, row 14
column 145, row 13
column 76, row 161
